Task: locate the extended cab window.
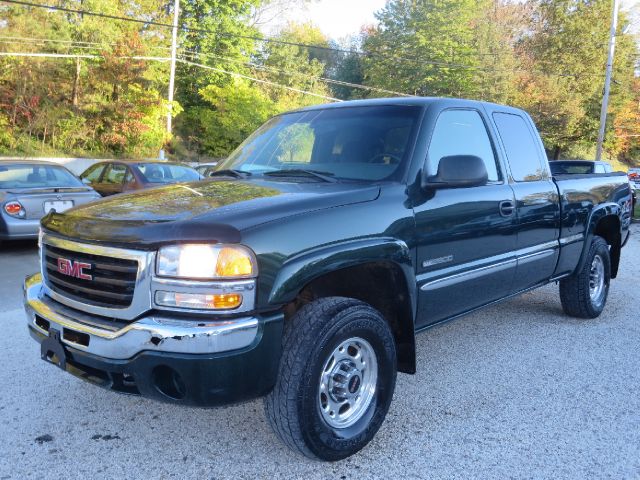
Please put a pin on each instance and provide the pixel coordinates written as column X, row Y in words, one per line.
column 521, row 148
column 461, row 132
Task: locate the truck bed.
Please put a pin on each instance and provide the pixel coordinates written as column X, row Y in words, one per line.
column 579, row 195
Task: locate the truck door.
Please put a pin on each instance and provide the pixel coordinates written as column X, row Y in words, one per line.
column 537, row 200
column 465, row 236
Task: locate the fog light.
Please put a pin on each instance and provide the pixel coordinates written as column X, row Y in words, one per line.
column 199, row 301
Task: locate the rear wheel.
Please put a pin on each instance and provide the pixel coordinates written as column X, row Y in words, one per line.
column 336, row 379
column 584, row 294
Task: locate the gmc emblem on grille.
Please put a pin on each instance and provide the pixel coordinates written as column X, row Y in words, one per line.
column 74, row 269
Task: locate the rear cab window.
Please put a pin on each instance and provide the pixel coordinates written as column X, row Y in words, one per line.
column 523, row 155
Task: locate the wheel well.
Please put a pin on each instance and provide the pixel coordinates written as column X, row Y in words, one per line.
column 380, row 284
column 609, row 228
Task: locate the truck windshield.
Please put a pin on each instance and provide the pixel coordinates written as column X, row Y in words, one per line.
column 355, row 143
column 36, row 176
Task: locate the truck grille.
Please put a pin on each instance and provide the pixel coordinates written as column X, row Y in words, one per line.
column 103, row 281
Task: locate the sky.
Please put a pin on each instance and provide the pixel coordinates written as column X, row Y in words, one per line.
column 336, row 18
column 341, row 18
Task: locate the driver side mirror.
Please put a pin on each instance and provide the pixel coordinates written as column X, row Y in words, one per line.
column 457, row 171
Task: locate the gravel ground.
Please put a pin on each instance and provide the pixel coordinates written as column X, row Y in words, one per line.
column 514, row 391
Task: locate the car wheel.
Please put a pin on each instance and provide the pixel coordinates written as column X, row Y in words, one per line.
column 336, row 378
column 584, row 294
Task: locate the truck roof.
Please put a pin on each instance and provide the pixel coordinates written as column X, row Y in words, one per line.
column 416, row 101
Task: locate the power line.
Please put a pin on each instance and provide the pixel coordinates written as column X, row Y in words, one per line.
column 296, row 74
column 267, row 82
column 328, row 80
column 437, row 64
column 48, row 40
column 247, row 37
column 166, row 59
column 89, row 45
column 168, row 25
column 76, row 55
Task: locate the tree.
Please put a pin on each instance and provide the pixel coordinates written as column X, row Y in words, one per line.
column 415, row 40
column 239, row 106
column 564, row 56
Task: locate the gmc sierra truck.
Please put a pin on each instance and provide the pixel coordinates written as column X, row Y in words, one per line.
column 303, row 268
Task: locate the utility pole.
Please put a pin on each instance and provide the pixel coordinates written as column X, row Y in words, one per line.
column 607, row 79
column 172, row 74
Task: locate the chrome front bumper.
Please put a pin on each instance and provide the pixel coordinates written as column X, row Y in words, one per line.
column 121, row 340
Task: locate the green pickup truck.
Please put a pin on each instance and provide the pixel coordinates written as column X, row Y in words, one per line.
column 303, row 268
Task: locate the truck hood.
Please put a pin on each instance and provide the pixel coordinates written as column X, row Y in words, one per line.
column 209, row 211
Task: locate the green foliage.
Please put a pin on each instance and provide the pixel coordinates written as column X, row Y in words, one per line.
column 232, row 108
column 546, row 56
column 565, row 55
column 414, row 37
column 238, row 109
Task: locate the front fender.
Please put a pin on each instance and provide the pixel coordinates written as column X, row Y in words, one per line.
column 300, row 270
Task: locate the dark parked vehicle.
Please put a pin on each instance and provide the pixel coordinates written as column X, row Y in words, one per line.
column 30, row 189
column 303, row 270
column 577, row 167
column 109, row 178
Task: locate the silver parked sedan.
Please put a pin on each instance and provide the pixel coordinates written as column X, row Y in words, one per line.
column 31, row 189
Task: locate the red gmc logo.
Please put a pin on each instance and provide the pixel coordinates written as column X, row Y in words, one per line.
column 74, row 269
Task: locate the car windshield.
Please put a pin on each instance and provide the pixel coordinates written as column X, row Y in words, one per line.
column 36, row 176
column 355, row 143
column 167, row 173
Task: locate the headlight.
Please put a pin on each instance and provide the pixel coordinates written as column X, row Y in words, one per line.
column 206, row 262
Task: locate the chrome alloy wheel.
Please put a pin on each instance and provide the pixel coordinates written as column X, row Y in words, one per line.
column 348, row 383
column 596, row 279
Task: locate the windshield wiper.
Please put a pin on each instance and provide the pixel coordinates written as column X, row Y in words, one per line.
column 229, row 173
column 292, row 172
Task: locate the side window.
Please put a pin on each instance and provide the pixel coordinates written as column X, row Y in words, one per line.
column 599, row 169
column 115, row 174
column 461, row 132
column 128, row 178
column 93, row 173
column 521, row 148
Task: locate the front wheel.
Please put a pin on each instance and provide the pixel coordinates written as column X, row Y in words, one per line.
column 336, row 379
column 584, row 294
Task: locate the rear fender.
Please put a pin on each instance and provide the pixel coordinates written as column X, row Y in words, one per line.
column 607, row 213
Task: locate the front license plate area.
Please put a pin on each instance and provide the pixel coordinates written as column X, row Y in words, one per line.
column 58, row 206
column 52, row 350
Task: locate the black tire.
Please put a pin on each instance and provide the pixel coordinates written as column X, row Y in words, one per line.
column 575, row 292
column 293, row 408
